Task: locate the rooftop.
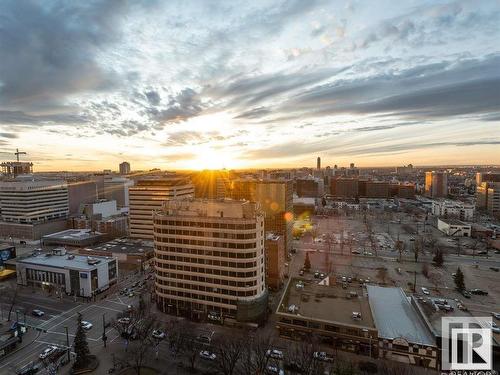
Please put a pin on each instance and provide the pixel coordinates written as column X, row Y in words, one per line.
column 304, row 200
column 387, row 303
column 210, row 208
column 66, row 261
column 330, row 303
column 429, row 309
column 125, row 246
column 73, row 234
column 453, row 222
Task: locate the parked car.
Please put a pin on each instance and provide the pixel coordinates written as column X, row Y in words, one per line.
column 301, row 273
column 316, row 275
column 159, row 334
column 47, row 351
column 322, row 356
column 496, row 315
column 478, row 292
column 37, row 312
column 272, row 370
column 368, row 367
column 425, row 291
column 29, row 369
column 205, row 354
column 274, row 353
column 466, row 294
column 495, row 328
column 356, row 252
column 86, row 325
column 124, row 320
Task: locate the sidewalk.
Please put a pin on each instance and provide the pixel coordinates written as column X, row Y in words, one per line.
column 28, row 338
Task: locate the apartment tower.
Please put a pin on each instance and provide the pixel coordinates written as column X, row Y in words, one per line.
column 436, row 184
column 276, row 200
column 210, row 259
column 148, row 195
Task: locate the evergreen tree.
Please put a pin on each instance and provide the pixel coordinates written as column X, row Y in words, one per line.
column 438, row 258
column 80, row 345
column 307, row 262
column 459, row 280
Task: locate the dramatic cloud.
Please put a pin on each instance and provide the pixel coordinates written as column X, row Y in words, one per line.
column 279, row 81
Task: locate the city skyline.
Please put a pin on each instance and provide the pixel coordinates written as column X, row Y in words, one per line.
column 210, row 85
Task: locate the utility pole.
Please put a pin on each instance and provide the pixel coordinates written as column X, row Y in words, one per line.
column 415, row 282
column 18, row 328
column 104, row 337
column 67, row 342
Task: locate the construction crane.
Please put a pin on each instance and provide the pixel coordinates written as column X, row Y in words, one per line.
column 17, row 153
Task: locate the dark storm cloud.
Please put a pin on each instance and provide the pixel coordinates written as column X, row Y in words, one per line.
column 433, row 91
column 182, row 106
column 49, row 51
column 22, row 118
column 9, row 135
column 397, row 148
column 153, row 97
column 250, row 91
column 254, row 113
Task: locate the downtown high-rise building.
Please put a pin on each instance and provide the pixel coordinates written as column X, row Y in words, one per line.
column 148, row 195
column 488, row 193
column 436, row 184
column 209, row 257
column 276, row 200
column 30, row 208
column 27, row 201
column 125, row 167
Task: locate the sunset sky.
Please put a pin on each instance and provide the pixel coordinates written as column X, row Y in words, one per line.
column 85, row 85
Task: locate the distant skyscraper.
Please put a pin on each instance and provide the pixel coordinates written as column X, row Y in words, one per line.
column 125, row 167
column 276, row 200
column 436, row 184
column 318, row 163
column 209, row 257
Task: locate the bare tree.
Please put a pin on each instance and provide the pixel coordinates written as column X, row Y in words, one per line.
column 229, row 351
column 382, row 274
column 425, row 270
column 435, row 279
column 12, row 294
column 254, row 359
column 137, row 328
column 303, row 355
column 400, row 247
column 417, row 247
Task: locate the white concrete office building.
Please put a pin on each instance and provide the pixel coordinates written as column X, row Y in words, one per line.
column 59, row 271
column 29, row 201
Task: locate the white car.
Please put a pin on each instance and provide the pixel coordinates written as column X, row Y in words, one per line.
column 495, row 328
column 322, row 356
column 425, row 291
column 205, row 354
column 86, row 325
column 159, row 334
column 274, row 353
column 271, row 370
column 496, row 315
column 124, row 321
column 47, row 351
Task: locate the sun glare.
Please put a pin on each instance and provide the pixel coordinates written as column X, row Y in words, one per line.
column 207, row 158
